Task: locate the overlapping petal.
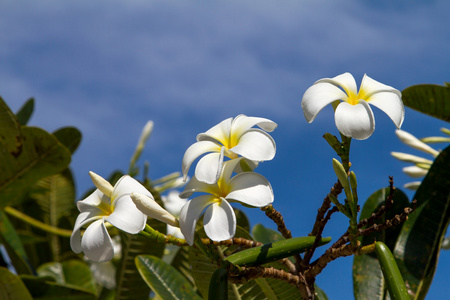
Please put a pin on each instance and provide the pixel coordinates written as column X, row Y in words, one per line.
column 355, row 121
column 190, row 214
column 242, row 123
column 220, row 133
column 194, row 151
column 250, row 188
column 96, row 242
column 126, row 216
column 220, row 221
column 256, row 145
column 208, row 167
column 317, row 97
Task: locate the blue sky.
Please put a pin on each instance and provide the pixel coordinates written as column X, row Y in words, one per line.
column 110, row 66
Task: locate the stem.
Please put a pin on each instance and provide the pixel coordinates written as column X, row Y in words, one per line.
column 38, row 224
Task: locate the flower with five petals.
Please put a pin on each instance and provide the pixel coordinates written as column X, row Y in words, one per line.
column 230, row 138
column 219, row 218
column 353, row 116
column 106, row 204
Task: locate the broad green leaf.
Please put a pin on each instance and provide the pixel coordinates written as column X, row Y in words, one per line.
column 40, row 155
column 163, row 279
column 69, row 137
column 11, row 139
column 368, row 280
column 241, row 219
column 25, row 112
column 181, row 263
column 70, row 272
column 13, row 245
column 12, row 287
column 430, row 99
column 42, row 288
column 265, row 235
column 418, row 246
column 128, row 277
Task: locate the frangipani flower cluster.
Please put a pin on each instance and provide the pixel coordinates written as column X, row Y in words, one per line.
column 353, row 116
column 421, row 165
column 213, row 177
column 230, row 138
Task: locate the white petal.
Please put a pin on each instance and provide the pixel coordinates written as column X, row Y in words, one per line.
column 250, row 188
column 414, row 142
column 242, row 123
column 208, row 167
column 82, row 219
column 127, row 185
column 96, row 242
column 412, row 185
column 415, row 171
column 220, row 221
column 126, row 216
column 194, row 151
column 345, row 81
column 411, row 158
column 227, row 170
column 97, row 203
column 370, row 86
column 190, row 213
column 220, row 133
column 355, row 121
column 317, row 97
column 194, row 185
column 255, row 144
column 148, row 206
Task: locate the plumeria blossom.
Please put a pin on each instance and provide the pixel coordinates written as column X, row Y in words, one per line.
column 353, row 115
column 231, row 138
column 219, row 218
column 421, row 165
column 107, row 204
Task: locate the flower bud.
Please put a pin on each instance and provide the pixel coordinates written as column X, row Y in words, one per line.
column 102, row 184
column 148, row 206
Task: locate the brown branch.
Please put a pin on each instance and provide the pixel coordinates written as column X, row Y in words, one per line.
column 275, row 216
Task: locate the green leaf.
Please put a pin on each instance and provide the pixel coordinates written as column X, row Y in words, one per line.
column 42, row 288
column 163, row 279
column 181, row 263
column 40, row 155
column 128, row 277
column 368, row 280
column 13, row 245
column 72, row 272
column 418, row 246
column 69, row 137
column 25, row 112
column 12, row 287
column 218, row 286
column 11, row 139
column 265, row 235
column 430, row 99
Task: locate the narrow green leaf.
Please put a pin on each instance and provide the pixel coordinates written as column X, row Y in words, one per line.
column 12, row 287
column 42, row 288
column 13, row 245
column 163, row 279
column 25, row 112
column 368, row 280
column 181, row 263
column 430, row 99
column 69, row 137
column 218, row 286
column 11, row 139
column 418, row 246
column 394, row 281
column 265, row 235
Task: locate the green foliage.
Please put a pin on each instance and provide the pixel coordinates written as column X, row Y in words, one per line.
column 163, row 279
column 430, row 99
column 25, row 112
column 12, row 287
column 417, row 248
column 265, row 235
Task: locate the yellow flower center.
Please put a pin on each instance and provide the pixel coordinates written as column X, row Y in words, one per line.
column 353, row 98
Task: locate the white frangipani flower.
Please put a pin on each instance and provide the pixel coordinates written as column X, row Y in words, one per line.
column 173, row 203
column 220, row 221
column 230, row 138
column 107, row 204
column 353, row 116
column 151, row 208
